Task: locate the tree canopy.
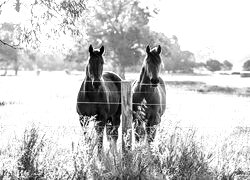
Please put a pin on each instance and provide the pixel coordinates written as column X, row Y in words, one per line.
column 227, row 65
column 213, row 65
column 122, row 26
column 8, row 54
column 46, row 19
column 246, row 65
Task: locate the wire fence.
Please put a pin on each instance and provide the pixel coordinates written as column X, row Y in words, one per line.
column 110, row 92
column 69, row 128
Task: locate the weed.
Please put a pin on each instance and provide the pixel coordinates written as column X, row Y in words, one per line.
column 32, row 145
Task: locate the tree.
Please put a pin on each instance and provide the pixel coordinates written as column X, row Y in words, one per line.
column 187, row 62
column 122, row 26
column 227, row 65
column 213, row 65
column 246, row 65
column 174, row 58
column 47, row 18
column 46, row 23
column 76, row 58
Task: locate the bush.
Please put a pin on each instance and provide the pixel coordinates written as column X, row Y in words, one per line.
column 176, row 153
column 28, row 165
column 180, row 156
column 213, row 65
column 246, row 65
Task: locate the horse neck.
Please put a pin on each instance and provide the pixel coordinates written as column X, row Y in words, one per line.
column 87, row 84
column 144, row 81
column 88, row 88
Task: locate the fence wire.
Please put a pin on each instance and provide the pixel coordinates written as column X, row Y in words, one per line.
column 117, row 103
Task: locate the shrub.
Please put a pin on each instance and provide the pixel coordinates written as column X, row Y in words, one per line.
column 28, row 162
column 180, row 156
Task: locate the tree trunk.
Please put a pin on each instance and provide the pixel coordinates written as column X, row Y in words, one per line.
column 5, row 70
column 16, row 71
column 121, row 67
column 16, row 66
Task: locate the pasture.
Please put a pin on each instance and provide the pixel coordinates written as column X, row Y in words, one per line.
column 210, row 128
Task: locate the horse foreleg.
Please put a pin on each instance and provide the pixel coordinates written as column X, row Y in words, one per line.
column 151, row 132
column 138, row 120
column 112, row 134
column 151, row 126
column 139, row 131
column 99, row 127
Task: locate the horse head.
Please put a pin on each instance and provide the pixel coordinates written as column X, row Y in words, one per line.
column 94, row 68
column 152, row 65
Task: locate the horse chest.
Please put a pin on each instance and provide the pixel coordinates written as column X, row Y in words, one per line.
column 154, row 100
column 157, row 100
column 90, row 105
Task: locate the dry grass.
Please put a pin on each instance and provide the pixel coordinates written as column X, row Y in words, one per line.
column 54, row 146
column 177, row 154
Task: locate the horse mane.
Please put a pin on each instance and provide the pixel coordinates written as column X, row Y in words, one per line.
column 142, row 73
column 86, row 70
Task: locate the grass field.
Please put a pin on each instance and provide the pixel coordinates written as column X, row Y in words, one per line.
column 202, row 135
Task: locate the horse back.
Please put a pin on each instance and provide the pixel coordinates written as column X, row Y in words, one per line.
column 109, row 76
column 113, row 84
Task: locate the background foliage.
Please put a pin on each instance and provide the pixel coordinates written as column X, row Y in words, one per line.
column 56, row 36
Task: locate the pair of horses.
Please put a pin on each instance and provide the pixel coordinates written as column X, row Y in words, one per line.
column 100, row 96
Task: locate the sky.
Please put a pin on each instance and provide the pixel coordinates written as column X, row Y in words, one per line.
column 218, row 27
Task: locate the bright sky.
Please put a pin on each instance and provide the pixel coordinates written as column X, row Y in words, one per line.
column 222, row 26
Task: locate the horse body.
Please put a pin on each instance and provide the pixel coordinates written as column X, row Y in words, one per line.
column 154, row 97
column 100, row 96
column 150, row 90
column 105, row 101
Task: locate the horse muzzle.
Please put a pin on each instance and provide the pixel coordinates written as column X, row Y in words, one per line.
column 155, row 82
column 96, row 84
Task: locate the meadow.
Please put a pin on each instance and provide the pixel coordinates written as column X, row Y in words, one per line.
column 202, row 135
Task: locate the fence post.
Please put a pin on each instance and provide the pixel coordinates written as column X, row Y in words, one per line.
column 126, row 101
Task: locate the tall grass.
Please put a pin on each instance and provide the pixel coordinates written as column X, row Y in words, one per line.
column 28, row 163
column 232, row 157
column 176, row 153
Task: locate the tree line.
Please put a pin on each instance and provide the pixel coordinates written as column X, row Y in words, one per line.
column 121, row 25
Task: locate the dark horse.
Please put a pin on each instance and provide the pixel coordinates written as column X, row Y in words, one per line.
column 100, row 96
column 149, row 91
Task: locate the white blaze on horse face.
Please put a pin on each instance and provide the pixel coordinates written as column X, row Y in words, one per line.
column 95, row 71
column 149, row 72
column 156, row 72
column 89, row 73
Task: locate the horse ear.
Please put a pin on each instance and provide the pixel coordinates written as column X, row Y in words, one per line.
column 159, row 49
column 102, row 50
column 148, row 49
column 91, row 49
